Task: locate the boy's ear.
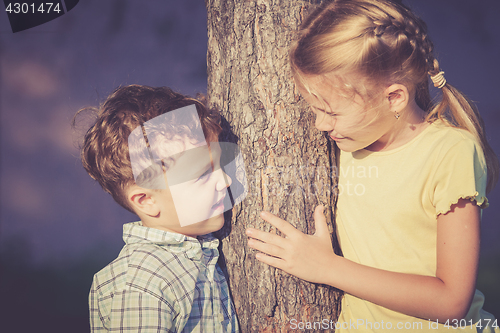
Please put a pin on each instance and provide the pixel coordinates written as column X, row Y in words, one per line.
column 398, row 97
column 143, row 201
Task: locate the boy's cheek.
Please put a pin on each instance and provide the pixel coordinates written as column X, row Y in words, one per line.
column 183, row 205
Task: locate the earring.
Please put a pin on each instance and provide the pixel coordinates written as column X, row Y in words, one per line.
column 396, row 116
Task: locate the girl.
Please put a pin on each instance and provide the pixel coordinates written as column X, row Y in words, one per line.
column 413, row 175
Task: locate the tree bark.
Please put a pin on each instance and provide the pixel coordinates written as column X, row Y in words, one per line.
column 290, row 165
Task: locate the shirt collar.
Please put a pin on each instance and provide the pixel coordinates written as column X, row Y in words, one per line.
column 194, row 248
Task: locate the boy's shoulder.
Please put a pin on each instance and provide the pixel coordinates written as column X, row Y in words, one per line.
column 151, row 261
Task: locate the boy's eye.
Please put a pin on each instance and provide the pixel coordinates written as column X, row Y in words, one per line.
column 205, row 175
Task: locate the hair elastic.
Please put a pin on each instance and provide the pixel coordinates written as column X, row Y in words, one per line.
column 438, row 80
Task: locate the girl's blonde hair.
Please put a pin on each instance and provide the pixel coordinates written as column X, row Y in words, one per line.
column 385, row 43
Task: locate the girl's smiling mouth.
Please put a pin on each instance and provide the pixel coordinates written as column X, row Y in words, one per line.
column 336, row 138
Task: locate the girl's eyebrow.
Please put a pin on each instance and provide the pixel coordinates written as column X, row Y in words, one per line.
column 317, row 107
column 324, row 111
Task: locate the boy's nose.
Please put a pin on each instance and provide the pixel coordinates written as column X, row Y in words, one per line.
column 223, row 181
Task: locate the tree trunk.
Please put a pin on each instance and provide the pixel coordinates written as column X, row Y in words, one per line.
column 290, row 165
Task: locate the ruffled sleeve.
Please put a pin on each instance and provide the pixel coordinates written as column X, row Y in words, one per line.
column 461, row 174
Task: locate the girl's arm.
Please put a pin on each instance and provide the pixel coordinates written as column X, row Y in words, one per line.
column 446, row 296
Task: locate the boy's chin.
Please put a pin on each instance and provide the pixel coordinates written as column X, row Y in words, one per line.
column 210, row 225
column 215, row 222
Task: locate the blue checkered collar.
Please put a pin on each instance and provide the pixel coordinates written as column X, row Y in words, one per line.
column 194, row 248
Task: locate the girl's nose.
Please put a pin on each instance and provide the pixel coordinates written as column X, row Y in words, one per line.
column 324, row 123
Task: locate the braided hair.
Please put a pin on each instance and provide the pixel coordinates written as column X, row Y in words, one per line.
column 383, row 42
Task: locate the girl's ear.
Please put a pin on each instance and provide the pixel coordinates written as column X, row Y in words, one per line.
column 398, row 97
column 143, row 201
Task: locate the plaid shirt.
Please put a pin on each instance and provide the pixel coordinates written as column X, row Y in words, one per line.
column 162, row 282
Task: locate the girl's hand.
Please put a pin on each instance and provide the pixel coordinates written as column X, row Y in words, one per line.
column 308, row 257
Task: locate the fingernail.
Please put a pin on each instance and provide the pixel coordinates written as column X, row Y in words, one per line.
column 264, row 214
column 249, row 231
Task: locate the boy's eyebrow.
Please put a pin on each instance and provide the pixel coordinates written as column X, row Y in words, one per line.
column 189, row 165
column 215, row 154
column 211, row 157
column 205, row 167
column 145, row 144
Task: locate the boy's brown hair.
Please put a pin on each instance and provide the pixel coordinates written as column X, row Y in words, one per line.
column 105, row 151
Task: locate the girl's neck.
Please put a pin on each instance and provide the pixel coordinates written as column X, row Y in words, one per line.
column 410, row 124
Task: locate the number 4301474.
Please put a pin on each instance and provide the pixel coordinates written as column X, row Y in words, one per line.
column 25, row 8
column 482, row 323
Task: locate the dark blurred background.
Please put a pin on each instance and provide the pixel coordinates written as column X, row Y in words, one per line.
column 57, row 227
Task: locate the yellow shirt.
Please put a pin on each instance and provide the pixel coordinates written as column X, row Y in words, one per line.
column 387, row 216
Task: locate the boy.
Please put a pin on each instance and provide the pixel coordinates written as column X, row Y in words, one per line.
column 152, row 153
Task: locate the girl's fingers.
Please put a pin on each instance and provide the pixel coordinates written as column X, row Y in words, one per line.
column 266, row 237
column 320, row 222
column 271, row 261
column 280, row 224
column 270, row 249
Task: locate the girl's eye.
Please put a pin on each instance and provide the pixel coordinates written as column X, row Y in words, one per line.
column 318, row 110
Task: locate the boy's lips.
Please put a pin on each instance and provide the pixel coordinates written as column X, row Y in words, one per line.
column 219, row 204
